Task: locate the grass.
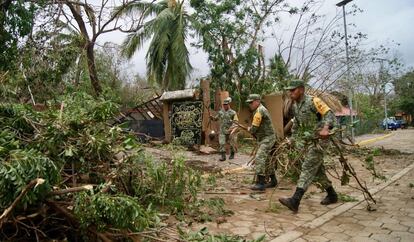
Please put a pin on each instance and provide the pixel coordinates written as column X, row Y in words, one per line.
column 274, row 208
column 346, row 198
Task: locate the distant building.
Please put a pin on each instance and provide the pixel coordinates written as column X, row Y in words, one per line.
column 404, row 116
column 344, row 114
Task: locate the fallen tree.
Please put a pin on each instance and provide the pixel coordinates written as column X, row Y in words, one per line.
column 65, row 174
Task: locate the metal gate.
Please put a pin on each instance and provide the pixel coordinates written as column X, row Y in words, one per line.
column 186, row 121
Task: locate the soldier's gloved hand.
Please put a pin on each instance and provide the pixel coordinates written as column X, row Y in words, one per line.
column 324, row 132
column 289, row 141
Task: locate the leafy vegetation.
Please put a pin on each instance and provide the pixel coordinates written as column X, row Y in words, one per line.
column 404, row 88
column 167, row 58
column 19, row 167
column 230, row 32
column 117, row 211
column 92, row 177
column 346, row 198
column 16, row 22
column 172, row 185
column 204, row 235
column 100, row 170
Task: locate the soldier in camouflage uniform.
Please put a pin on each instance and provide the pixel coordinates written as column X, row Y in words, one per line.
column 226, row 116
column 263, row 130
column 311, row 116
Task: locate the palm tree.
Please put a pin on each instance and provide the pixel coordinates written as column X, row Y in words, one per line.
column 167, row 57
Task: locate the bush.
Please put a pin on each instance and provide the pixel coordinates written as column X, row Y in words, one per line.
column 118, row 211
column 18, row 168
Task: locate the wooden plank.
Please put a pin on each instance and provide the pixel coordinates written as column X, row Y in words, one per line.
column 142, row 114
column 274, row 103
column 156, row 106
column 245, row 115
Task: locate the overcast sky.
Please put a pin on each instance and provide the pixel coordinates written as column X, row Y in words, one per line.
column 383, row 21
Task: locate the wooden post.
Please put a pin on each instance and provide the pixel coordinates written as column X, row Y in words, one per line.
column 205, row 127
column 166, row 119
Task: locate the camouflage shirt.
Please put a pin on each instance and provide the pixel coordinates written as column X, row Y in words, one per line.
column 311, row 113
column 226, row 119
column 262, row 124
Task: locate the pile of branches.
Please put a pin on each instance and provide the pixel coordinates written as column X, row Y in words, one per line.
column 65, row 174
column 288, row 157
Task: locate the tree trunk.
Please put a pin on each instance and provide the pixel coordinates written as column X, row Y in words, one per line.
column 92, row 69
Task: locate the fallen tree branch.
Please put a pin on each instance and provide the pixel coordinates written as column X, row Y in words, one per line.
column 7, row 211
column 348, row 168
column 74, row 221
column 72, row 190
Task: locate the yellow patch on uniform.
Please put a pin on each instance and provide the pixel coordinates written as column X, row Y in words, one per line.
column 320, row 106
column 235, row 118
column 257, row 119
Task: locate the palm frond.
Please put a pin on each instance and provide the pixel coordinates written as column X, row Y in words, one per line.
column 135, row 41
column 138, row 7
column 167, row 57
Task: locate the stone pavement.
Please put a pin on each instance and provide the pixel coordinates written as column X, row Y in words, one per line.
column 257, row 214
column 392, row 221
column 260, row 214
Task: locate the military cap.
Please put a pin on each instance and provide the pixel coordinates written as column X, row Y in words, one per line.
column 227, row 100
column 295, row 84
column 252, row 97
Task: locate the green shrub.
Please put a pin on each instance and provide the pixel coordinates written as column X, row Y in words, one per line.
column 18, row 168
column 118, row 211
column 167, row 184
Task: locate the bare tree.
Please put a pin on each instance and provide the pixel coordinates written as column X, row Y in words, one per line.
column 91, row 19
column 314, row 50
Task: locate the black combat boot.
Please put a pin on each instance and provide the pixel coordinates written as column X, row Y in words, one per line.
column 331, row 198
column 260, row 184
column 231, row 155
column 272, row 183
column 293, row 202
column 223, row 156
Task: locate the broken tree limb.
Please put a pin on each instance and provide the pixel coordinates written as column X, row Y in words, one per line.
column 74, row 221
column 347, row 167
column 72, row 190
column 7, row 211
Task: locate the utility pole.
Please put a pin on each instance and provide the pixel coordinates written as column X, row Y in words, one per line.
column 350, row 94
column 382, row 77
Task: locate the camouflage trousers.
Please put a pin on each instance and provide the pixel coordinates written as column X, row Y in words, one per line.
column 313, row 169
column 264, row 165
column 223, row 140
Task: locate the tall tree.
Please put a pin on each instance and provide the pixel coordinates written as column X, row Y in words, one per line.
column 167, row 58
column 404, row 88
column 313, row 46
column 16, row 22
column 93, row 20
column 231, row 32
